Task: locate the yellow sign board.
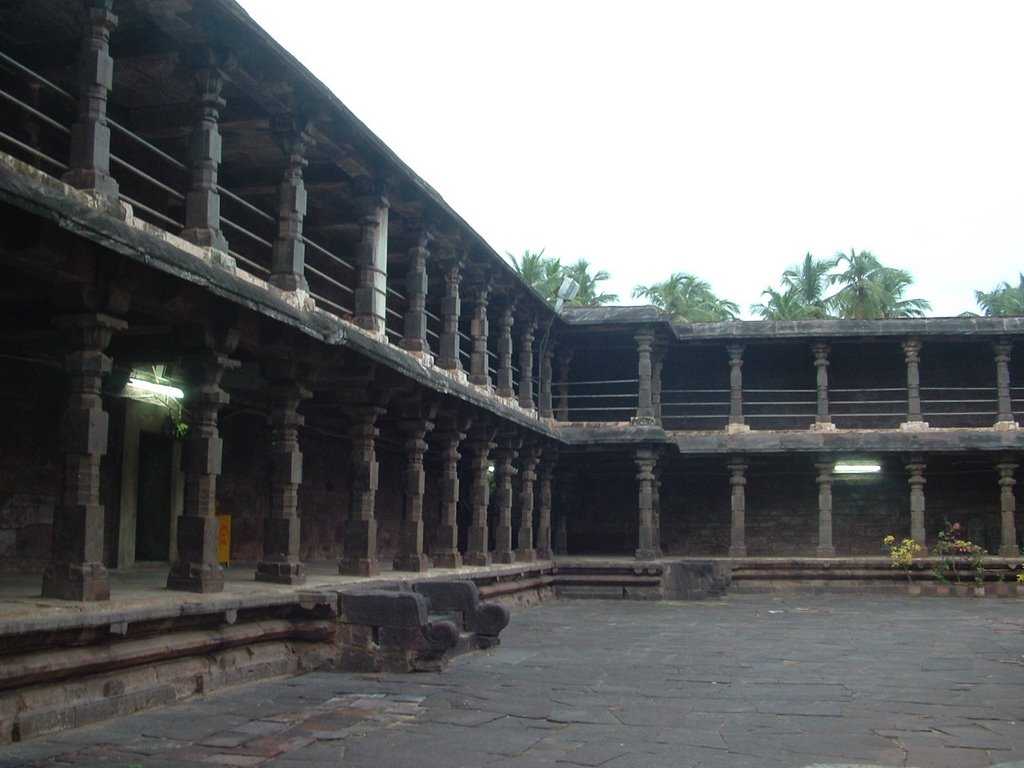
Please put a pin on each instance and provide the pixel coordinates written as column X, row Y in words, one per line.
column 224, row 539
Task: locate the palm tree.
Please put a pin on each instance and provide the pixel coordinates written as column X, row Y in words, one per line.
column 807, row 280
column 1003, row 300
column 540, row 272
column 688, row 298
column 588, row 295
column 869, row 289
column 785, row 305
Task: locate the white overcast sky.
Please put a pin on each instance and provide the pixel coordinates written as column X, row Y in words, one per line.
column 724, row 138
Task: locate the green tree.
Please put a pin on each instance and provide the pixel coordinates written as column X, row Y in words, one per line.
column 1003, row 300
column 870, row 290
column 808, row 281
column 688, row 298
column 589, row 294
column 785, row 305
column 540, row 272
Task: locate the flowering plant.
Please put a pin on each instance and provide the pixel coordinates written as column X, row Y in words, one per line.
column 901, row 555
column 950, row 547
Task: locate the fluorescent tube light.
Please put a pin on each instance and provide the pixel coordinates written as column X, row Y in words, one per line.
column 856, row 468
column 157, row 389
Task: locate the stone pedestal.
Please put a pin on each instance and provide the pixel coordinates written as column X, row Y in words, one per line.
column 76, row 570
column 197, row 568
column 281, row 564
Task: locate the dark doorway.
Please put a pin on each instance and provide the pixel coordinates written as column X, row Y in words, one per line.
column 153, row 521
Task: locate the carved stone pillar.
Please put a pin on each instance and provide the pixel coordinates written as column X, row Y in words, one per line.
column 736, row 421
column 414, row 332
column 822, row 417
column 645, row 404
column 547, row 476
column 528, row 459
column 526, row 364
column 449, row 345
column 916, row 481
column 202, row 203
column 288, row 270
column 1005, row 419
column 372, row 262
column 562, row 535
column 89, row 166
column 825, row 548
column 564, row 361
column 479, row 369
column 360, row 545
column 445, row 551
column 504, row 455
column 197, row 568
column 656, row 508
column 657, row 363
column 544, row 403
column 1008, row 546
column 646, row 459
column 480, row 445
column 738, row 500
column 410, row 555
column 281, row 564
column 505, row 322
column 912, row 354
column 75, row 570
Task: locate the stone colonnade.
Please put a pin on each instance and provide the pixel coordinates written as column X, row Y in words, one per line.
column 650, row 362
column 649, row 511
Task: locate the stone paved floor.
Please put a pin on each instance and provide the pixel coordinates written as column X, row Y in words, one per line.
column 754, row 681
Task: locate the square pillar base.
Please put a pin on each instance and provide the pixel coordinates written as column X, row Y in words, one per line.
column 281, row 572
column 1009, row 551
column 825, row 552
column 914, row 426
column 358, row 566
column 414, row 563
column 544, row 554
column 738, row 550
column 1005, row 426
column 447, row 560
column 84, row 582
column 823, row 426
column 504, row 557
column 526, row 556
column 647, row 554
column 734, row 429
column 196, row 577
column 477, row 558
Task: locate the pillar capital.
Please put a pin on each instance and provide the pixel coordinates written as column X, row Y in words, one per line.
column 820, row 350
column 912, row 349
column 735, row 353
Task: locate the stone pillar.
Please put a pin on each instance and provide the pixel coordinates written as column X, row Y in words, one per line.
column 736, row 422
column 480, row 445
column 1005, row 419
column 825, row 548
column 288, row 270
column 479, row 369
column 197, row 568
column 564, row 361
column 89, row 165
column 202, row 203
column 414, row 331
column 505, row 322
column 657, row 363
column 526, row 364
column 372, row 263
column 916, row 481
column 656, row 508
column 410, row 555
column 544, row 403
column 646, row 459
column 737, row 484
column 450, row 342
column 504, row 455
column 562, row 535
column 1008, row 546
column 645, row 405
column 281, row 564
column 547, row 476
column 75, row 570
column 445, row 551
column 912, row 354
column 822, row 417
column 359, row 548
column 528, row 458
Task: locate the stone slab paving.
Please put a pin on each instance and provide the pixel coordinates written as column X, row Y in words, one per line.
column 749, row 681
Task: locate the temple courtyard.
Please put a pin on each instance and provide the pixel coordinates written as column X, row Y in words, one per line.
column 749, row 680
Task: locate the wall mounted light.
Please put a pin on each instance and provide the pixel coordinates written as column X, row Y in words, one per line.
column 857, row 468
column 141, row 385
